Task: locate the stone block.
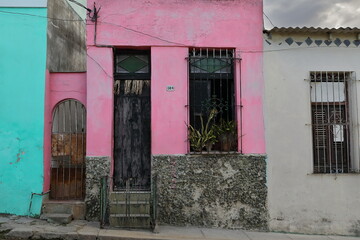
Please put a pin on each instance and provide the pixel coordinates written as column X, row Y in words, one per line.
column 5, row 229
column 61, row 218
column 4, row 220
column 76, row 208
column 20, row 233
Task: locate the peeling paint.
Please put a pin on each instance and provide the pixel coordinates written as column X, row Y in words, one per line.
column 18, row 155
column 355, row 228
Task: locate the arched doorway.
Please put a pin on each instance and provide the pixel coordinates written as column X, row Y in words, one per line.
column 68, row 146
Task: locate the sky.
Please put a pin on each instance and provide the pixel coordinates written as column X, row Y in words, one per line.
column 312, row 13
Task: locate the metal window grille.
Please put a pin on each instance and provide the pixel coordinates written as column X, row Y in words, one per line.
column 333, row 121
column 212, row 100
column 68, row 151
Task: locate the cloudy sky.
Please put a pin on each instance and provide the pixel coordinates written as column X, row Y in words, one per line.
column 312, row 13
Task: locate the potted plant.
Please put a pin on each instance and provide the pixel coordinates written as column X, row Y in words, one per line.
column 226, row 132
column 205, row 136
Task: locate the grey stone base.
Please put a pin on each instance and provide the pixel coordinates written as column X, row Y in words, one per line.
column 96, row 168
column 227, row 191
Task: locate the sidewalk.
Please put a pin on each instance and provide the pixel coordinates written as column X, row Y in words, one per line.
column 13, row 227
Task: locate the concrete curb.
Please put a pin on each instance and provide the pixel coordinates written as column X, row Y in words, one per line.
column 29, row 228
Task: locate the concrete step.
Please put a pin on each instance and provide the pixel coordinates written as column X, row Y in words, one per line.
column 75, row 208
column 61, row 218
column 122, row 207
column 130, row 221
column 130, row 196
column 130, row 209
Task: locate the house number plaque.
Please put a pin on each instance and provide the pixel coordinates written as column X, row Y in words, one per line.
column 170, row 88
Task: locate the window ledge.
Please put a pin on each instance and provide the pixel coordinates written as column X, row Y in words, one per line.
column 214, row 153
column 334, row 174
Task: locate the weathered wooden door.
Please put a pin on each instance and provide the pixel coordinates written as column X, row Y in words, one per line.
column 132, row 135
column 68, row 151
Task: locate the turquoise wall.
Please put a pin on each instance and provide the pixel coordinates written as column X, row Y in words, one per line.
column 22, row 88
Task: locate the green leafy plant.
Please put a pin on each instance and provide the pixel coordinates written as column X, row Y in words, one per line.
column 226, row 133
column 205, row 136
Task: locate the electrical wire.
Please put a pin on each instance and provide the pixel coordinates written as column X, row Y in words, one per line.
column 172, row 42
column 268, row 19
column 143, row 33
column 80, row 5
column 118, row 25
column 97, row 63
column 40, row 16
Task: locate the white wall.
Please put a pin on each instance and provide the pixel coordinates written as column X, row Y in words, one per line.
column 298, row 200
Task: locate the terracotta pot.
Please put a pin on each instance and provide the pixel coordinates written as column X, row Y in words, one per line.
column 226, row 143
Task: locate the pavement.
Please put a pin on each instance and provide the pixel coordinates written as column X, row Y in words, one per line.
column 15, row 227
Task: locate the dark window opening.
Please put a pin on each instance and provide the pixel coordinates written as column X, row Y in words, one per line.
column 212, row 101
column 330, row 121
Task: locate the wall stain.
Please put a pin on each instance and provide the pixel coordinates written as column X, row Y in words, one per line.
column 325, row 220
column 18, row 156
column 225, row 191
column 355, row 228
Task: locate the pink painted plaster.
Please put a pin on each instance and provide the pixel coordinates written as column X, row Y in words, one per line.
column 168, row 109
column 99, row 102
column 211, row 23
column 170, row 28
column 67, row 85
column 252, row 101
column 47, row 134
column 59, row 86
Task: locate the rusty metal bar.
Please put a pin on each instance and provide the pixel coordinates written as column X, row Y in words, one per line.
column 68, row 158
column 330, row 121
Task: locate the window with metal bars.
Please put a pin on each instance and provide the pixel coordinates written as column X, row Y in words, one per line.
column 331, row 122
column 68, row 150
column 212, row 124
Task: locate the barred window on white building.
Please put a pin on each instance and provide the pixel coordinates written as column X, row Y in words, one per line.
column 334, row 122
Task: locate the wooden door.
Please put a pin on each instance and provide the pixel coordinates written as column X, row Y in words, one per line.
column 132, row 134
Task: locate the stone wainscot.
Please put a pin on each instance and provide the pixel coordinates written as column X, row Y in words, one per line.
column 227, row 191
column 96, row 168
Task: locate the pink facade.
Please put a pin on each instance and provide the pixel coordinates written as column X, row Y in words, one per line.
column 99, row 101
column 168, row 111
column 169, row 29
column 59, row 86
